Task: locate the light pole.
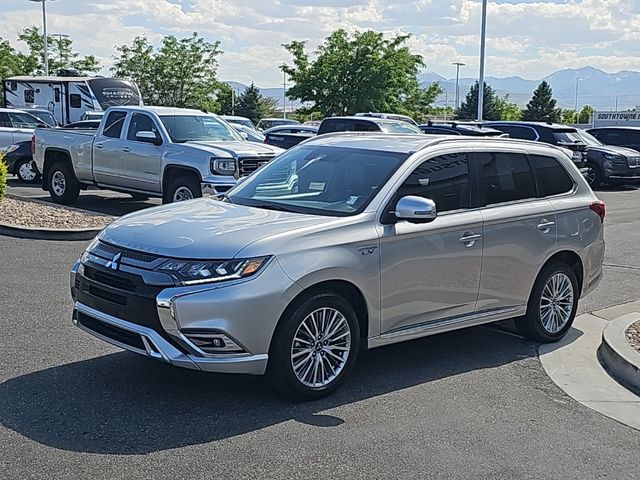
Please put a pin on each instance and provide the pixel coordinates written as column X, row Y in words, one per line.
column 483, row 35
column 577, row 80
column 284, row 92
column 44, row 34
column 458, row 65
column 60, row 37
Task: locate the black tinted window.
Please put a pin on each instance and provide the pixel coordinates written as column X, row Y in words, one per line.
column 140, row 123
column 4, row 120
column 507, row 177
column 29, row 96
column 75, row 100
column 336, row 126
column 443, row 179
column 514, row 131
column 113, row 124
column 552, row 178
column 365, row 127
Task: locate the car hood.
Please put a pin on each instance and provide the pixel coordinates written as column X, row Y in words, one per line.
column 626, row 152
column 237, row 148
column 203, row 228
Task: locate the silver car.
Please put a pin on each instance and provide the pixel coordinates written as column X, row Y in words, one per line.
column 348, row 242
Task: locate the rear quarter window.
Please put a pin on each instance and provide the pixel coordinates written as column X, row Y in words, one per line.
column 551, row 177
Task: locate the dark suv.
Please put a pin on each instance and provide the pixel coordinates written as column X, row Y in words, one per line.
column 619, row 136
column 455, row 128
column 546, row 132
column 365, row 124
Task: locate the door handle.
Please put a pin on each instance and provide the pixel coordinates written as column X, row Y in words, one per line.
column 545, row 225
column 469, row 238
column 99, row 146
column 125, row 149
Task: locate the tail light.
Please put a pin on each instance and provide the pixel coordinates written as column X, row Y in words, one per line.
column 33, row 145
column 599, row 208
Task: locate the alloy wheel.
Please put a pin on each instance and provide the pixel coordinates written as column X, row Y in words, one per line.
column 27, row 171
column 58, row 183
column 591, row 175
column 181, row 194
column 556, row 302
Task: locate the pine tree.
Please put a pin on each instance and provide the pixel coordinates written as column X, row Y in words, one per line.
column 250, row 104
column 490, row 105
column 542, row 106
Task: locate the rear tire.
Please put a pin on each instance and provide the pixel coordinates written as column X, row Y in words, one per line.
column 314, row 347
column 62, row 184
column 26, row 171
column 552, row 305
column 180, row 188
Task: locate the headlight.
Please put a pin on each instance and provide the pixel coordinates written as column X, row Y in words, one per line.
column 615, row 157
column 224, row 166
column 186, row 272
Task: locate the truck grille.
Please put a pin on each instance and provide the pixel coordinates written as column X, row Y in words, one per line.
column 248, row 165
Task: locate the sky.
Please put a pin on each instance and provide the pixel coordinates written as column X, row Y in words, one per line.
column 527, row 38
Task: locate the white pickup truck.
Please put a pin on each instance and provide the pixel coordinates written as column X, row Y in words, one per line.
column 176, row 154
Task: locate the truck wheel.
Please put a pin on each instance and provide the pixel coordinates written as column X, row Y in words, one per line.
column 314, row 347
column 26, row 170
column 552, row 305
column 62, row 184
column 594, row 175
column 183, row 187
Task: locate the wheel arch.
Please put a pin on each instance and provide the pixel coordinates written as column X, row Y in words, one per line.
column 51, row 156
column 172, row 171
column 17, row 162
column 572, row 260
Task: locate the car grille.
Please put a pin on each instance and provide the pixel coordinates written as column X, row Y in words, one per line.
column 634, row 161
column 248, row 165
column 104, row 248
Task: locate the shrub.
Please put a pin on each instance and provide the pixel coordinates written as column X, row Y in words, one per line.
column 3, row 176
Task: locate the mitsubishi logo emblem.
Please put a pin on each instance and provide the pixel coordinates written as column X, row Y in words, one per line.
column 114, row 263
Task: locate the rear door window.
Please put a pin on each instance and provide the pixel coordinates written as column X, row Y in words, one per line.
column 551, row 177
column 507, row 177
column 361, row 126
column 113, row 124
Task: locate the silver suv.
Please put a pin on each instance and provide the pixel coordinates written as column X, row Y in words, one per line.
column 348, row 241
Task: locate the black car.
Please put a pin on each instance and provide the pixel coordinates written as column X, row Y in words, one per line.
column 610, row 163
column 455, row 128
column 546, row 132
column 619, row 136
column 286, row 136
column 19, row 160
column 365, row 124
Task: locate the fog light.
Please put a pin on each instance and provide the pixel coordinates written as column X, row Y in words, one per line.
column 213, row 343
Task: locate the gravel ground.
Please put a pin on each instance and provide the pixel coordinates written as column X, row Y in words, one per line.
column 38, row 215
column 633, row 335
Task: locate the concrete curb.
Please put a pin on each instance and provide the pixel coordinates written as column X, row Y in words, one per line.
column 48, row 233
column 619, row 357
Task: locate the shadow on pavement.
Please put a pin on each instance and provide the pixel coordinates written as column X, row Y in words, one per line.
column 125, row 404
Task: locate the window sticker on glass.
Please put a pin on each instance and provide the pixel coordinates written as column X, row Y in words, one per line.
column 352, row 199
column 423, row 181
column 319, row 186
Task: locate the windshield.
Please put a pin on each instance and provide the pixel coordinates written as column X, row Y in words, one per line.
column 46, row 117
column 589, row 139
column 399, row 128
column 568, row 136
column 190, row 128
column 319, row 180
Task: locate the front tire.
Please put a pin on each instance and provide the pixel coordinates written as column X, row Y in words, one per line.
column 314, row 347
column 181, row 188
column 552, row 306
column 63, row 186
column 594, row 175
column 26, row 171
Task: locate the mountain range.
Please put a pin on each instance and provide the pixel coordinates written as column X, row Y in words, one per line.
column 596, row 87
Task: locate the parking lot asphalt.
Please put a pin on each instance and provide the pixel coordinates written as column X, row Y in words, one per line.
column 468, row 404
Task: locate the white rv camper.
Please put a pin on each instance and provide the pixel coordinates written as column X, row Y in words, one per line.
column 67, row 98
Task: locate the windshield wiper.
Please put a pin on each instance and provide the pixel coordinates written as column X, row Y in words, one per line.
column 273, row 206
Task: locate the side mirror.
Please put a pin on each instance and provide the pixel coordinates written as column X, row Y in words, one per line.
column 416, row 209
column 241, row 180
column 148, row 137
column 244, row 135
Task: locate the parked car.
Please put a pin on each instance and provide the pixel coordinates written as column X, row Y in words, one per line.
column 347, row 242
column 20, row 161
column 17, row 126
column 365, row 124
column 44, row 115
column 287, row 136
column 84, row 124
column 267, row 123
column 250, row 134
column 173, row 153
column 92, row 115
column 391, row 116
column 546, row 132
column 628, row 137
column 456, row 128
column 235, row 120
column 609, row 163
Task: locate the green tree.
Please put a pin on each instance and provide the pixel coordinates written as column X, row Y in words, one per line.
column 508, row 110
column 585, row 114
column 490, row 104
column 568, row 115
column 11, row 64
column 60, row 54
column 253, row 105
column 180, row 73
column 358, row 73
column 542, row 106
column 224, row 103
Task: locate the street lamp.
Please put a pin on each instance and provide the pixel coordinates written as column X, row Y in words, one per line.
column 458, row 65
column 60, row 37
column 577, row 80
column 44, row 34
column 483, row 35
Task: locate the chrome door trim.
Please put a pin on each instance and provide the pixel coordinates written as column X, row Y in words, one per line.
column 444, row 325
